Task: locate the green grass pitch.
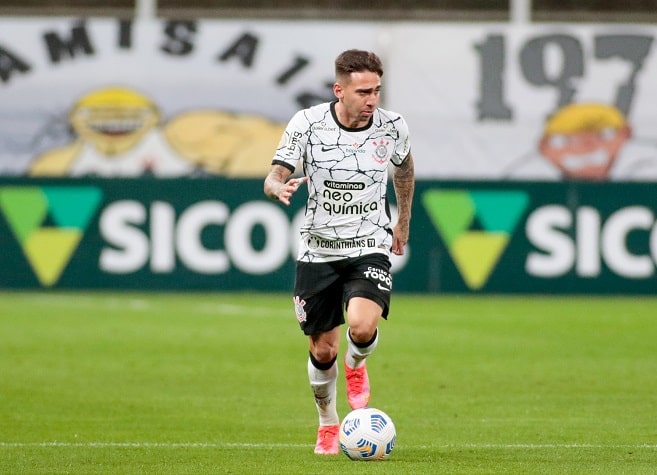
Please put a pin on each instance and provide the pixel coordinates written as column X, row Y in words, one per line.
column 147, row 383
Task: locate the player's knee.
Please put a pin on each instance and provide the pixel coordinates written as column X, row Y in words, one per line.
column 324, row 354
column 324, row 350
column 362, row 332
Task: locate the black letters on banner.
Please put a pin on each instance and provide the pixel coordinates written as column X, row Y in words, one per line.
column 180, row 36
column 10, row 63
column 58, row 48
column 244, row 49
column 125, row 34
column 573, row 63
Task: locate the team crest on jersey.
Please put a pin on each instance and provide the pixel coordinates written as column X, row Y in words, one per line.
column 381, row 152
column 313, row 242
column 299, row 309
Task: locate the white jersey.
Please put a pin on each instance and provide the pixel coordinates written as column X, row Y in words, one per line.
column 347, row 213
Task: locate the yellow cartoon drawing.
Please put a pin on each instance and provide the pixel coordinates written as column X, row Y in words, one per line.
column 588, row 141
column 584, row 140
column 120, row 134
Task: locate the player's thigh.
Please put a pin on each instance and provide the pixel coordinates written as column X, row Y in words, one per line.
column 363, row 317
column 367, row 293
column 318, row 298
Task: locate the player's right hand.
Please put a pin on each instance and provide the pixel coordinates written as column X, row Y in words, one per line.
column 287, row 189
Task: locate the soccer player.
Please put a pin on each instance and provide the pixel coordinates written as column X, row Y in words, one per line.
column 345, row 147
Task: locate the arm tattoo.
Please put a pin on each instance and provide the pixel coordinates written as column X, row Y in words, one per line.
column 403, row 180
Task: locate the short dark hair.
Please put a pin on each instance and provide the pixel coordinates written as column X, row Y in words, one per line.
column 355, row 61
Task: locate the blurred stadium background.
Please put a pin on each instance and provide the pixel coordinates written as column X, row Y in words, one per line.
column 495, row 72
column 125, row 380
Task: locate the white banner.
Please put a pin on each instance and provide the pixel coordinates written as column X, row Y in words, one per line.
column 537, row 102
column 484, row 101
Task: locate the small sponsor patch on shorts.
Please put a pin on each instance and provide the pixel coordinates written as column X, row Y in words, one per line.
column 381, row 277
column 299, row 309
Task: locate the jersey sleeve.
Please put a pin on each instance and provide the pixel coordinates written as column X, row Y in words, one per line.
column 292, row 146
column 403, row 144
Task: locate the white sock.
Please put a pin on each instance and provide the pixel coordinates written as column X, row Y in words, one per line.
column 355, row 357
column 323, row 385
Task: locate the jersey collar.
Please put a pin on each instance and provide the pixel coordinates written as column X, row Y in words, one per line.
column 343, row 127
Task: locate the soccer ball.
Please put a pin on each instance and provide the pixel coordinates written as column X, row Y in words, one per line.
column 367, row 434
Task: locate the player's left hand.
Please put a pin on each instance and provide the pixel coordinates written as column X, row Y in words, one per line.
column 399, row 239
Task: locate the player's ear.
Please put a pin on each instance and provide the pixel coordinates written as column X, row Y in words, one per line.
column 338, row 90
